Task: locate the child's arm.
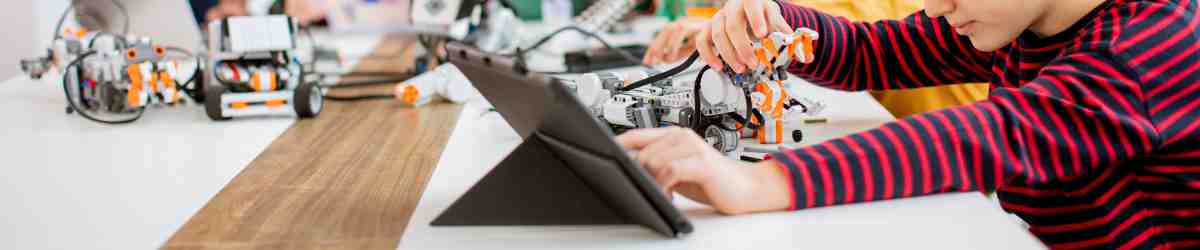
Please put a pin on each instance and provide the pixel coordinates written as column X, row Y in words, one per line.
column 1083, row 114
column 917, row 51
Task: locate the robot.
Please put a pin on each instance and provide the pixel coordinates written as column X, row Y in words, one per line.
column 107, row 75
column 721, row 106
column 770, row 96
column 256, row 70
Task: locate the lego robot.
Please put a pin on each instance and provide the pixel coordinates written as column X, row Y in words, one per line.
column 719, row 106
column 107, row 76
column 255, row 70
column 770, row 97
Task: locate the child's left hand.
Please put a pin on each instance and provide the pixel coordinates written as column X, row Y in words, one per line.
column 675, row 42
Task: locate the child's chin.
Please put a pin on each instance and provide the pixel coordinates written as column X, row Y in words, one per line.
column 982, row 43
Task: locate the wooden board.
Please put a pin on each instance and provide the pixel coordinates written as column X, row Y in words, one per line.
column 348, row 179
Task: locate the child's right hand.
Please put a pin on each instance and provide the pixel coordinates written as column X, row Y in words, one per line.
column 680, row 161
column 734, row 30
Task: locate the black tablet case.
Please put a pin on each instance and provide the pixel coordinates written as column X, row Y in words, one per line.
column 568, row 171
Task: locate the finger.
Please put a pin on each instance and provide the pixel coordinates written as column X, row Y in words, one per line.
column 755, row 17
column 680, row 148
column 740, row 38
column 664, row 144
column 640, row 138
column 677, row 39
column 720, row 38
column 655, row 46
column 666, row 179
column 777, row 21
column 706, row 50
column 212, row 16
column 682, row 52
column 692, row 191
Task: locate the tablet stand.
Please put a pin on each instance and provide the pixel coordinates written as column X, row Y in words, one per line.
column 534, row 185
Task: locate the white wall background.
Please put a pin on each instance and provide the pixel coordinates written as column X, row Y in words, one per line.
column 19, row 23
column 47, row 14
column 26, row 30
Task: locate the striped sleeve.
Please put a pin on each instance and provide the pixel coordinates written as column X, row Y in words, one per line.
column 1168, row 63
column 1084, row 112
column 879, row 56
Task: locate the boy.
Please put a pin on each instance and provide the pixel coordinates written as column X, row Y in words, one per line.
column 670, row 46
column 1090, row 134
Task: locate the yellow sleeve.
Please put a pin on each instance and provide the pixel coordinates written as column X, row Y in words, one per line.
column 901, row 103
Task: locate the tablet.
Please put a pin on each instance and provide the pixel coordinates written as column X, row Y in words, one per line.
column 541, row 109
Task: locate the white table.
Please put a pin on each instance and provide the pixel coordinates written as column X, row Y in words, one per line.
column 69, row 183
column 951, row 221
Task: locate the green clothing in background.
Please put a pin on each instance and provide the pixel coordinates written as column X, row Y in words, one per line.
column 532, row 10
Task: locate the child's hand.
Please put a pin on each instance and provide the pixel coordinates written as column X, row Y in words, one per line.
column 227, row 8
column 734, row 30
column 675, row 42
column 680, row 161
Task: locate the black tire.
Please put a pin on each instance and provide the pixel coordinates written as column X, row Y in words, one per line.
column 308, row 100
column 212, row 104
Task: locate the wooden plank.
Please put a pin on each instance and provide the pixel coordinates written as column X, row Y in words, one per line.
column 349, row 179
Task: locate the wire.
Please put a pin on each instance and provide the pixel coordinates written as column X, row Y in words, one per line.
column 124, row 43
column 81, row 112
column 359, row 97
column 56, row 33
column 363, row 83
column 193, row 91
column 520, row 53
column 698, row 113
column 666, row 74
column 353, row 84
column 308, row 33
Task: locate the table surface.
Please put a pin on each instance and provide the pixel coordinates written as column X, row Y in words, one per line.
column 950, row 221
column 347, row 179
column 352, row 179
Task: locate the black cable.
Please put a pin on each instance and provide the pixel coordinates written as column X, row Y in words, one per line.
column 388, row 77
column 362, row 83
column 81, row 112
column 351, row 84
column 359, row 97
column 698, row 115
column 57, row 32
column 520, row 53
column 193, row 90
column 366, row 74
column 666, row 74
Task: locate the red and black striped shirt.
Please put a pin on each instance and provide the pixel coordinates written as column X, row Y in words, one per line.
column 1092, row 136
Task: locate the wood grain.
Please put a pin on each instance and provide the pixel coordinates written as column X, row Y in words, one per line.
column 348, row 179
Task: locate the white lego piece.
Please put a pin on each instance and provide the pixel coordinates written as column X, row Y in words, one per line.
column 616, row 110
column 260, row 33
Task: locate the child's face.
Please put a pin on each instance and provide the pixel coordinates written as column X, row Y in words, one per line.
column 991, row 24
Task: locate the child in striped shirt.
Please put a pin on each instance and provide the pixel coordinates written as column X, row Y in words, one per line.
column 1091, row 133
